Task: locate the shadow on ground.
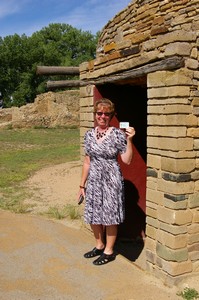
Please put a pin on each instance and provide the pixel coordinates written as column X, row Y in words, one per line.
column 130, row 249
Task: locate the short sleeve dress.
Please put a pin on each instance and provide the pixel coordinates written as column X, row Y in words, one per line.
column 105, row 188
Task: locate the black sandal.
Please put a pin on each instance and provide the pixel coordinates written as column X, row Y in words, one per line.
column 104, row 259
column 93, row 253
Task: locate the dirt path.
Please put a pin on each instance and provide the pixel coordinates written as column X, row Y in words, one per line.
column 54, row 186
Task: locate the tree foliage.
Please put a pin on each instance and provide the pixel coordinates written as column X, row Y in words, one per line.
column 55, row 45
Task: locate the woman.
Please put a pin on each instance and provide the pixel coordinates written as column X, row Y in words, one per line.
column 104, row 208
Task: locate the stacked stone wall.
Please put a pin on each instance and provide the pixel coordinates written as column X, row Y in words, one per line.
column 144, row 32
column 48, row 110
column 172, row 175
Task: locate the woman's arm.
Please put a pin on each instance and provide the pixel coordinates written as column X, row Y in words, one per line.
column 128, row 154
column 85, row 170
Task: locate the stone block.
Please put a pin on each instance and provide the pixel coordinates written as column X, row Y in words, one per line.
column 172, row 120
column 170, row 254
column 170, row 109
column 170, row 91
column 151, row 232
column 176, row 198
column 152, row 173
column 175, row 36
column 169, row 78
column 196, row 111
column 86, row 91
column 193, row 132
column 178, row 165
column 151, row 205
column 150, row 244
column 151, row 212
column 86, row 102
column 196, row 216
column 196, row 76
column 197, row 186
column 123, row 44
column 174, row 217
column 159, row 30
column 83, row 131
column 193, row 200
column 176, row 177
column 136, row 61
column 193, row 239
column 148, row 45
column 194, row 53
column 194, row 256
column 114, row 55
column 150, row 257
column 154, row 161
column 152, row 222
column 192, row 64
column 154, row 196
column 140, row 37
column 193, row 228
column 109, row 47
column 171, row 131
column 178, row 48
column 151, row 183
column 196, row 144
column 176, row 188
column 180, row 144
column 177, row 268
column 172, row 241
column 196, row 266
column 130, row 51
column 83, row 67
column 175, row 205
column 174, row 229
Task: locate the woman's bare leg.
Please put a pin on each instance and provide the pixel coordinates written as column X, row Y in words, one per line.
column 111, row 235
column 98, row 231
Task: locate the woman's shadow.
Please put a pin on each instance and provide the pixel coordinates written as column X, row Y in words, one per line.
column 131, row 232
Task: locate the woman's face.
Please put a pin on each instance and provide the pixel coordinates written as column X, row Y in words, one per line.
column 103, row 115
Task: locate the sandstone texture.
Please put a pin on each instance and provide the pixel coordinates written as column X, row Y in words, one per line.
column 48, row 110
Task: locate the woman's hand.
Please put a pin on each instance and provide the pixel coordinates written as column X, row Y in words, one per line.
column 130, row 132
column 81, row 192
column 127, row 156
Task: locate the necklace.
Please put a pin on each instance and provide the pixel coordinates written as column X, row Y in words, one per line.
column 100, row 135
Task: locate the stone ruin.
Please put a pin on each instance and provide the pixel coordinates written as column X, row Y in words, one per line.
column 48, row 110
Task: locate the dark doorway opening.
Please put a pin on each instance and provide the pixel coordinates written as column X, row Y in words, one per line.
column 131, row 105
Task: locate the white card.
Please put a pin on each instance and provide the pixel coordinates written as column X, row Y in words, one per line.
column 124, row 125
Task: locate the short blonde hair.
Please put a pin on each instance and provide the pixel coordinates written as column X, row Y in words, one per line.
column 104, row 102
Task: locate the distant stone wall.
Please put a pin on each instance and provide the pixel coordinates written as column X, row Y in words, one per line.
column 48, row 110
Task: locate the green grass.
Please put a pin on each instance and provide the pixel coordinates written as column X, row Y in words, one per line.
column 69, row 211
column 189, row 294
column 24, row 151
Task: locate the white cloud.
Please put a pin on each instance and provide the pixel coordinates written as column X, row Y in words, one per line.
column 28, row 16
column 9, row 7
column 92, row 15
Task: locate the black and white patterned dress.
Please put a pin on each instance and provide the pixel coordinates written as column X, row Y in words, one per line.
column 105, row 188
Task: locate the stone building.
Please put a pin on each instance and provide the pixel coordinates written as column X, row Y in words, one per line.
column 147, row 63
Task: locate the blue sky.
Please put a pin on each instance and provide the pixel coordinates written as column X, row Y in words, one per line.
column 28, row 16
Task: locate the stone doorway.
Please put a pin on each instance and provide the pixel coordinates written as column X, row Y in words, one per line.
column 131, row 105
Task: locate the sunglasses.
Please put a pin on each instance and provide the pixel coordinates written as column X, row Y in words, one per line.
column 107, row 114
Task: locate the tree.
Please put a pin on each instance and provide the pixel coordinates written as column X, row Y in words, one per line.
column 55, row 45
